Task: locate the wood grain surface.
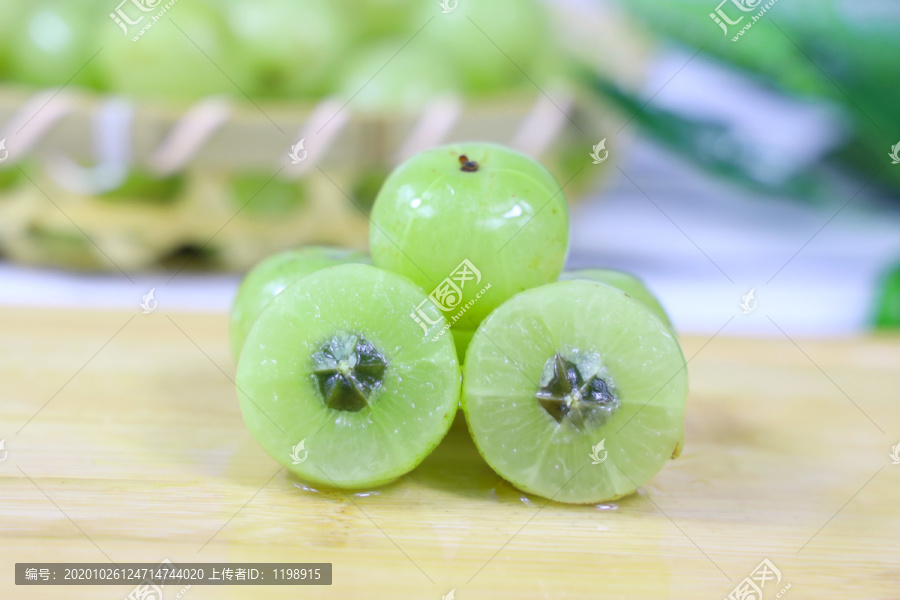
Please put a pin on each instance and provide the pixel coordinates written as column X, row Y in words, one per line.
column 125, row 443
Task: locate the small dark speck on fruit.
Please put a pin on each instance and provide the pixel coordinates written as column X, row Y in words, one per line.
column 469, row 166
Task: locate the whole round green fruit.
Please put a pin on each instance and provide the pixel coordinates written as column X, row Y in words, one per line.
column 184, row 55
column 286, row 48
column 270, row 277
column 380, row 80
column 626, row 282
column 490, row 44
column 473, row 223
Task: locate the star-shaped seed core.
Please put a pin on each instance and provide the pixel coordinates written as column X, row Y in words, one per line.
column 348, row 370
column 568, row 395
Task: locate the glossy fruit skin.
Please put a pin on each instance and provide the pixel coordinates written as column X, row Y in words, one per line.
column 270, row 277
column 626, row 282
column 508, row 219
column 281, row 401
column 640, row 358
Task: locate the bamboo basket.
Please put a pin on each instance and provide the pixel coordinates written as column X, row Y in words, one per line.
column 98, row 182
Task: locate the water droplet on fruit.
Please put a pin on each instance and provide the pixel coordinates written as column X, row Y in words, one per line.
column 415, row 203
column 515, row 211
column 305, row 488
column 526, row 501
column 610, row 506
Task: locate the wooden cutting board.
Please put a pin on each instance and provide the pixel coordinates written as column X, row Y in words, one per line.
column 125, row 441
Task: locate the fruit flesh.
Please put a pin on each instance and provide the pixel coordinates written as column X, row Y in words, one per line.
column 477, row 202
column 270, row 277
column 608, row 335
column 629, row 284
column 406, row 414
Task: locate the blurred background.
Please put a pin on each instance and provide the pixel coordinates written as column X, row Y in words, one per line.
column 742, row 157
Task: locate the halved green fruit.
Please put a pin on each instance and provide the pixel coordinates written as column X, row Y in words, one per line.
column 339, row 384
column 270, row 277
column 576, row 392
column 626, row 282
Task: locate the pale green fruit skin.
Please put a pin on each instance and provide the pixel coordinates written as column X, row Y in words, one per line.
column 526, row 446
column 54, row 41
column 626, row 282
column 376, row 20
column 405, row 82
column 11, row 18
column 165, row 64
column 404, row 422
column 490, row 44
column 287, row 48
column 509, row 219
column 270, row 277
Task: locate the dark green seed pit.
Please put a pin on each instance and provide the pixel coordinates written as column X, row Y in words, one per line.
column 569, row 396
column 348, row 370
